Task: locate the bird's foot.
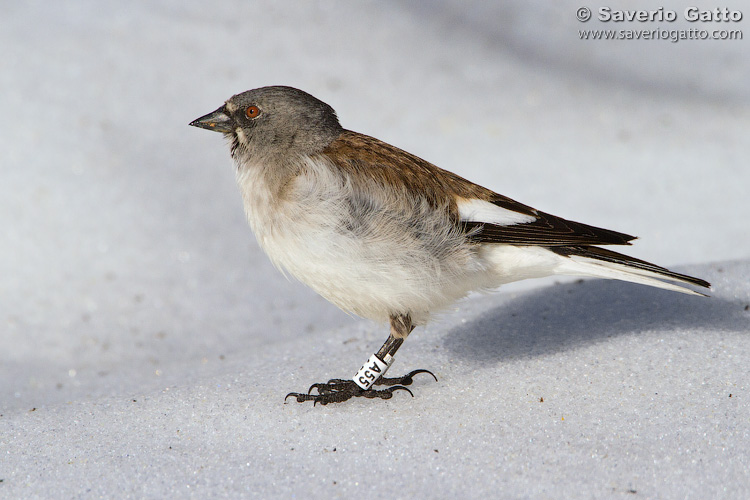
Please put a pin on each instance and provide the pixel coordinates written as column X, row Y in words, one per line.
column 340, row 390
column 404, row 380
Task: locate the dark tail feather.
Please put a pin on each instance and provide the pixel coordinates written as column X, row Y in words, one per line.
column 604, row 255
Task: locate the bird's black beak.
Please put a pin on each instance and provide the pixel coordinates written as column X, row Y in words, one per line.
column 218, row 121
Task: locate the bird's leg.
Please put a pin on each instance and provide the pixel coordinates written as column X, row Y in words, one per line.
column 371, row 373
column 401, row 327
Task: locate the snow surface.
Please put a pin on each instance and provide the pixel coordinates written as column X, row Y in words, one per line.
column 148, row 343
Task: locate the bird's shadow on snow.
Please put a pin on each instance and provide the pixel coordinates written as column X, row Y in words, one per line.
column 564, row 317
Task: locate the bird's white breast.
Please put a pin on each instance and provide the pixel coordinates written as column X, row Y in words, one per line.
column 375, row 262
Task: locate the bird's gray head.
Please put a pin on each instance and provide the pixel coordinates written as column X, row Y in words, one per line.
column 273, row 122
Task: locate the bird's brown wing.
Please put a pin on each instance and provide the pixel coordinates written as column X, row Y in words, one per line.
column 369, row 161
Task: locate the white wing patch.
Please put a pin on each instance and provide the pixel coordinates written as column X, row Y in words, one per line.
column 473, row 210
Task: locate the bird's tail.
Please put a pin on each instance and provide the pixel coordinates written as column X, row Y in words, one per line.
column 603, row 263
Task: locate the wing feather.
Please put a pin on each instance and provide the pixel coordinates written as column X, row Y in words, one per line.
column 372, row 162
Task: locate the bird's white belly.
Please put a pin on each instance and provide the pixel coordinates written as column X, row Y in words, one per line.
column 370, row 264
column 374, row 278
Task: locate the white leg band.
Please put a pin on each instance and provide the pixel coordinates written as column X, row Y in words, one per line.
column 372, row 370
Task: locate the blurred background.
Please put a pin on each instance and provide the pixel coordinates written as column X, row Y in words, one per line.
column 125, row 259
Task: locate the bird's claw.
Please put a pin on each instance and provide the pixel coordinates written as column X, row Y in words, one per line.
column 340, row 390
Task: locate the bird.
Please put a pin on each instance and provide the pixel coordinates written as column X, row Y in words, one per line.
column 386, row 235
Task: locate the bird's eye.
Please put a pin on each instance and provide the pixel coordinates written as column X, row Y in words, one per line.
column 252, row 112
